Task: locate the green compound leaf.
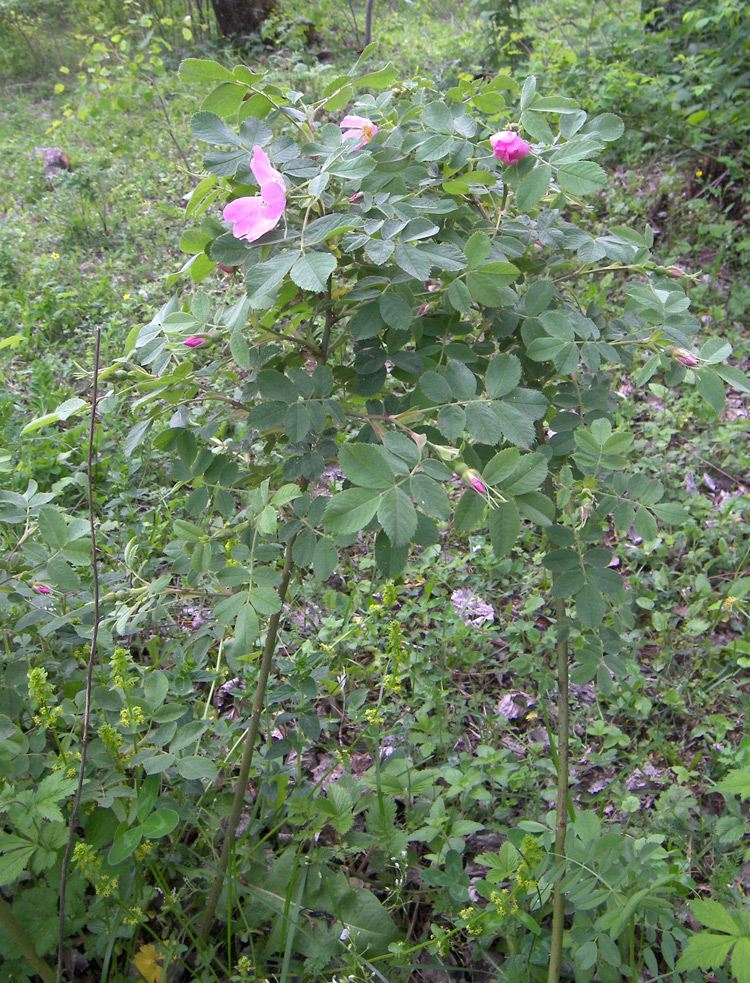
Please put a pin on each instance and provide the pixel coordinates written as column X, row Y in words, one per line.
column 436, row 388
column 395, row 311
column 351, row 510
column 483, row 424
column 211, row 129
column 533, row 187
column 505, row 526
column 501, row 466
column 397, row 516
column 503, row 375
column 528, row 475
column 366, row 465
column 590, row 606
column 582, row 177
column 311, row 271
column 390, row 559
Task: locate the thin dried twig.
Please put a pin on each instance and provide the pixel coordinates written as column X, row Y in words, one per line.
column 90, row 667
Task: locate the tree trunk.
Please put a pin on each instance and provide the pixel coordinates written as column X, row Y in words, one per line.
column 667, row 13
column 368, row 21
column 238, row 18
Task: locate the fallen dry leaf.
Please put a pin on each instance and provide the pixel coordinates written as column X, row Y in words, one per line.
column 149, row 964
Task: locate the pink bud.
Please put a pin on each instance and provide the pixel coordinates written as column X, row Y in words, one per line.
column 194, row 341
column 509, row 147
column 684, row 357
column 676, row 271
column 473, row 480
column 424, row 309
column 42, row 589
column 359, row 194
column 226, row 269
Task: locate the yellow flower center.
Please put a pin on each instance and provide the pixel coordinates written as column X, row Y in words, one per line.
column 367, row 132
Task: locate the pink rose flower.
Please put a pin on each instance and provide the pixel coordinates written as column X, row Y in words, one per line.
column 358, row 128
column 684, row 357
column 42, row 589
column 508, row 146
column 194, row 341
column 253, row 217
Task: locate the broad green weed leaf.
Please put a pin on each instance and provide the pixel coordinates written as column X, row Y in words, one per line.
column 160, row 823
column 15, row 854
column 705, row 951
column 124, row 846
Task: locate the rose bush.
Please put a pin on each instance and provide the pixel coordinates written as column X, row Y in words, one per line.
column 416, row 352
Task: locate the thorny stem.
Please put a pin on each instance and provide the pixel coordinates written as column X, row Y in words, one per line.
column 561, row 823
column 90, row 667
column 582, row 271
column 563, row 726
column 251, row 736
column 325, row 341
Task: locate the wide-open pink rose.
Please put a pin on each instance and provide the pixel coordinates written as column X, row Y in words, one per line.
column 508, row 146
column 255, row 216
column 360, row 127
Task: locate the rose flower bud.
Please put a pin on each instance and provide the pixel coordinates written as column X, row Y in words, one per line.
column 509, row 147
column 684, row 357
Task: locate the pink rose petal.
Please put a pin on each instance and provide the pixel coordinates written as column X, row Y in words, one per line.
column 508, row 146
column 358, row 128
column 253, row 217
